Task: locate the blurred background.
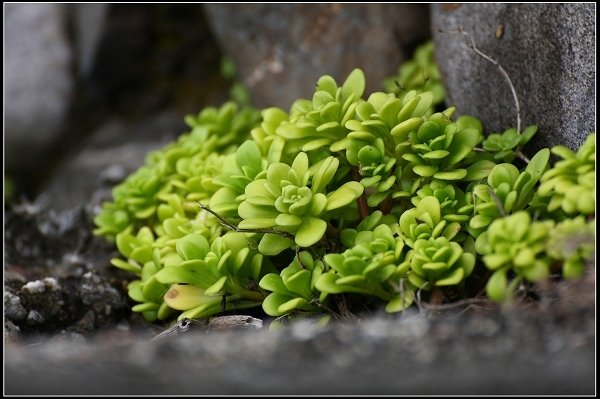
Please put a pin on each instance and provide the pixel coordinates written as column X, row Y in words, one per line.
column 91, row 88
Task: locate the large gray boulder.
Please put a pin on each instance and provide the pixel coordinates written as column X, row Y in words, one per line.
column 281, row 50
column 38, row 79
column 548, row 50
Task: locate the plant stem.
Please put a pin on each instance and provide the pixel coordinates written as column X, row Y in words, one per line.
column 363, row 209
column 499, row 204
column 239, row 230
column 252, row 295
column 381, row 293
column 519, row 154
column 386, row 205
column 333, row 231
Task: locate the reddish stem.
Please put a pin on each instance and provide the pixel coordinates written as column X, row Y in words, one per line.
column 363, row 209
column 386, row 205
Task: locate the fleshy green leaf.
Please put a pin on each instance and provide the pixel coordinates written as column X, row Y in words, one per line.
column 344, row 195
column 497, row 286
column 479, row 170
column 354, row 84
column 310, row 232
column 273, row 244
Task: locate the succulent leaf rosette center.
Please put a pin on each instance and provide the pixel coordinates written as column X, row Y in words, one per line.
column 294, row 200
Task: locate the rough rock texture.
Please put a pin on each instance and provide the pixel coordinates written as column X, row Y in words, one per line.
column 281, row 50
column 38, row 79
column 517, row 352
column 546, row 49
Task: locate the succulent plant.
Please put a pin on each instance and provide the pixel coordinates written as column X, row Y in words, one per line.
column 571, row 183
column 226, row 127
column 294, row 200
column 438, row 262
column 383, row 121
column 224, row 275
column 149, row 292
column 239, row 169
column 514, row 244
column 572, row 242
column 425, row 221
column 138, row 249
column 185, row 167
column 455, row 205
column 320, row 123
column 194, row 177
column 146, row 254
column 507, row 145
column 374, row 257
column 270, row 144
column 135, row 203
column 209, row 221
column 294, row 288
column 507, row 191
column 112, row 220
column 437, row 148
column 420, row 73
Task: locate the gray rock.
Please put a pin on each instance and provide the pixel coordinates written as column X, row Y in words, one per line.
column 35, row 318
column 548, row 50
column 11, row 332
column 13, row 309
column 496, row 353
column 89, row 19
column 113, row 151
column 281, row 50
column 38, row 79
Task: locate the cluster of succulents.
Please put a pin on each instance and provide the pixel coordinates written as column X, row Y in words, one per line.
column 347, row 197
column 419, row 73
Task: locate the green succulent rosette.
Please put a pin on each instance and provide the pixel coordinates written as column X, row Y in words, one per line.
column 372, row 265
column 455, row 204
column 294, row 288
column 382, row 121
column 294, row 201
column 227, row 126
column 206, row 224
column 239, row 170
column 438, row 262
column 572, row 242
column 438, row 148
column 319, row 124
column 265, row 136
column 223, row 275
column 516, row 245
column 135, row 201
column 145, row 254
column 507, row 191
column 571, row 182
column 425, row 222
column 504, row 147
